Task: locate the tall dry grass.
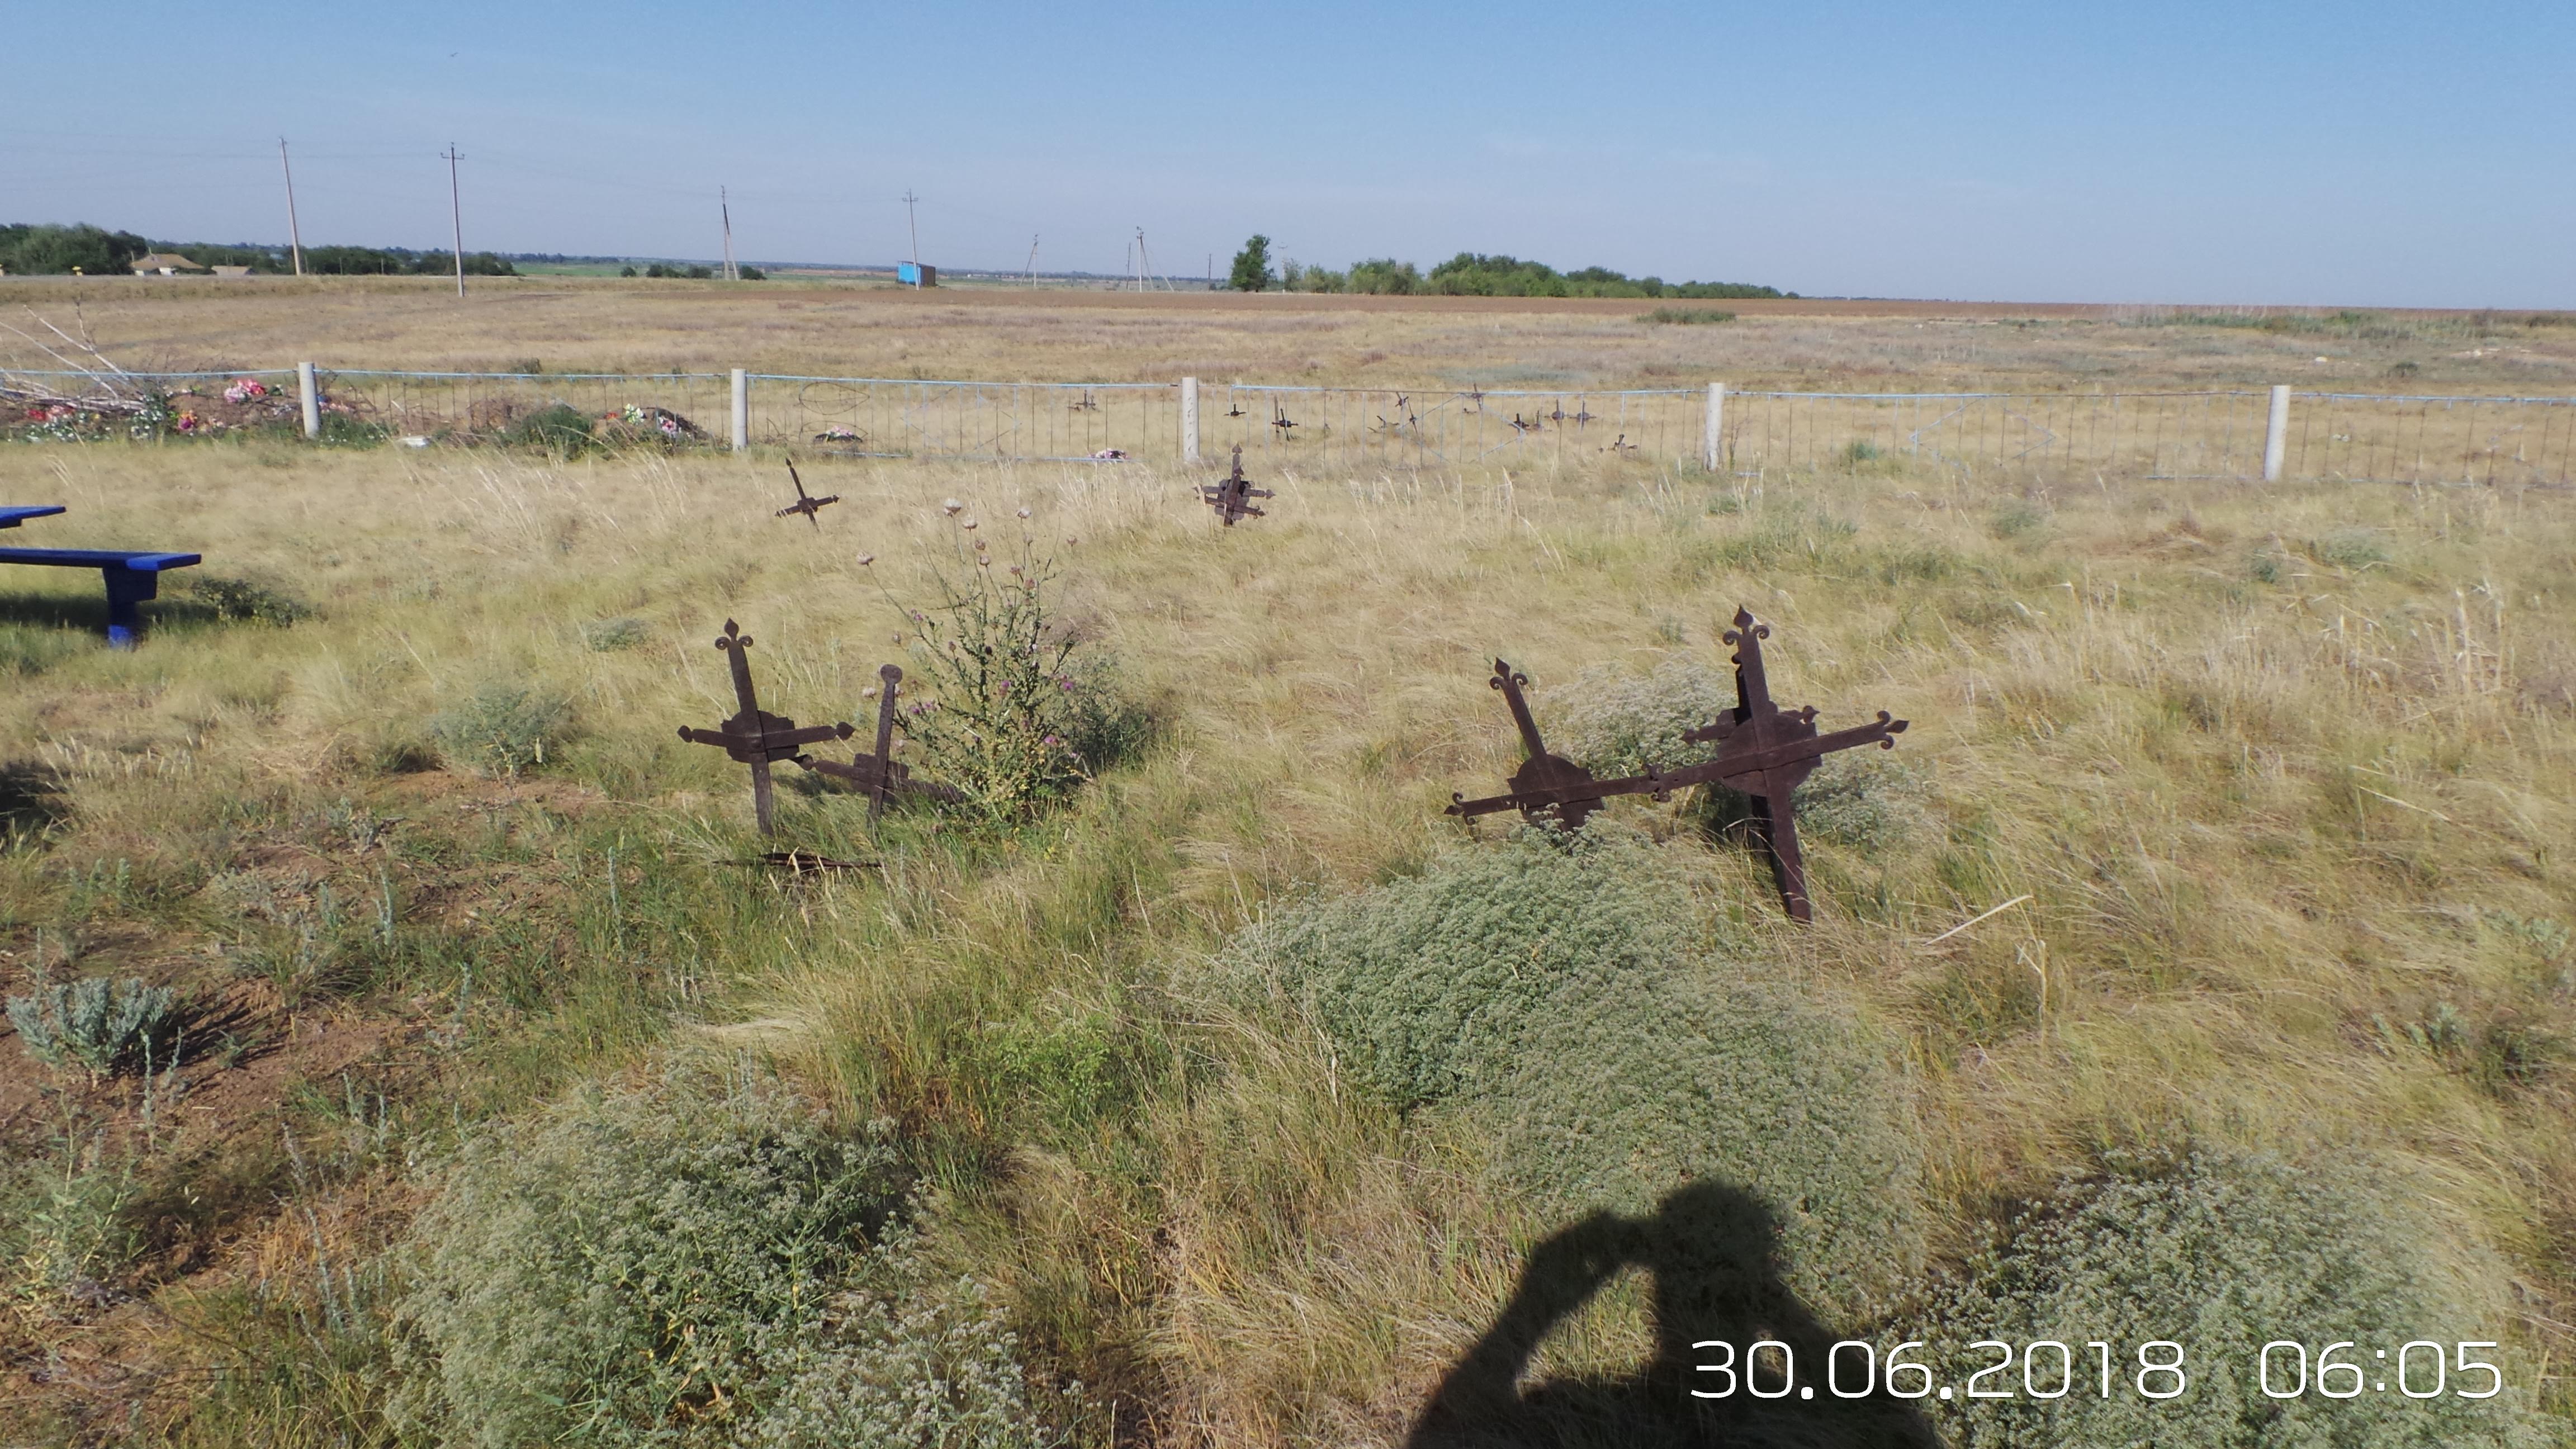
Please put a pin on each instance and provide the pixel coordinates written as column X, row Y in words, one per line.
column 2284, row 774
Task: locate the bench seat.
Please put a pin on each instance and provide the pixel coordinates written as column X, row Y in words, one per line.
column 11, row 515
column 132, row 576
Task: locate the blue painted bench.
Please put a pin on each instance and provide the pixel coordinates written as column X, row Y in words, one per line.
column 132, row 575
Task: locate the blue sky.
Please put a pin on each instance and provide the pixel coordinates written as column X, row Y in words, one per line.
column 2362, row 153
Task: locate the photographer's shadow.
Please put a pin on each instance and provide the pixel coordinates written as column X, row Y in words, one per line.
column 1709, row 1249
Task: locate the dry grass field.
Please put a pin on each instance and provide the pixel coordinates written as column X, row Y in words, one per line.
column 2277, row 781
column 1061, row 336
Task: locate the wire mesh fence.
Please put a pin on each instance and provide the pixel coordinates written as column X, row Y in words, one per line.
column 2473, row 440
column 466, row 406
column 1025, row 422
column 1424, row 428
column 2040, row 436
column 2001, row 437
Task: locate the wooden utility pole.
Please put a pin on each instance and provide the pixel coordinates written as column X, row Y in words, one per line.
column 725, row 208
column 456, row 217
column 1033, row 259
column 294, row 235
column 910, row 221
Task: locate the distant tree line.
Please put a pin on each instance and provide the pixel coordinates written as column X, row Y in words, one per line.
column 1469, row 274
column 39, row 248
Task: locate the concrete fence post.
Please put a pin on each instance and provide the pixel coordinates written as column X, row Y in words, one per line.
column 1190, row 420
column 312, row 399
column 741, row 410
column 1712, row 445
column 2276, row 433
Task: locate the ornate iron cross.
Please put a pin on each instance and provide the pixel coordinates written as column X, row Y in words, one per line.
column 1232, row 495
column 880, row 774
column 1763, row 751
column 806, row 503
column 754, row 736
column 1546, row 786
column 1766, row 752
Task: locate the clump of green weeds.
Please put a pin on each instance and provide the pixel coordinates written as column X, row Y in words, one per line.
column 247, row 600
column 66, row 1232
column 610, row 636
column 504, row 728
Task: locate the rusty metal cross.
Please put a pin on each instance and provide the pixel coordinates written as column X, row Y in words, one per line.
column 754, row 736
column 805, row 503
column 1763, row 751
column 1546, row 786
column 879, row 773
column 1766, row 752
column 1232, row 495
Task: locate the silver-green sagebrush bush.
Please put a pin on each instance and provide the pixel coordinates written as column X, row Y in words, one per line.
column 921, row 1360
column 97, row 1025
column 2223, row 1252
column 1430, row 984
column 677, row 1266
column 1567, row 994
column 1712, row 1075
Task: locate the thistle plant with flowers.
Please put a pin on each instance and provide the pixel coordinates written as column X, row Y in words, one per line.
column 1002, row 704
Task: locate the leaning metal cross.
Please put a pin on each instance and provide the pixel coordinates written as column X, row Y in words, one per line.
column 880, row 774
column 805, row 503
column 755, row 737
column 1763, row 751
column 1546, row 785
column 1232, row 496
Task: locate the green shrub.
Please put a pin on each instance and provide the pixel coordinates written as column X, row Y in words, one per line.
column 558, row 428
column 2352, row 548
column 1010, row 710
column 1432, row 985
column 2222, row 1253
column 1613, row 722
column 247, row 600
column 502, row 728
column 920, row 1361
column 1686, row 316
column 640, row 1267
column 1624, row 1095
column 98, row 1025
column 1866, row 799
column 608, row 636
column 1859, row 451
column 2017, row 517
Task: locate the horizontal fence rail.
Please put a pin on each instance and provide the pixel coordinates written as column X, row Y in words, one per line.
column 2003, row 437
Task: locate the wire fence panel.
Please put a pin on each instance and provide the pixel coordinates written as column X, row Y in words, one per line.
column 462, row 405
column 2001, row 436
column 1423, row 428
column 1026, row 422
column 2479, row 440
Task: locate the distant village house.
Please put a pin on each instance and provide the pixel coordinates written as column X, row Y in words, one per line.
column 163, row 264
